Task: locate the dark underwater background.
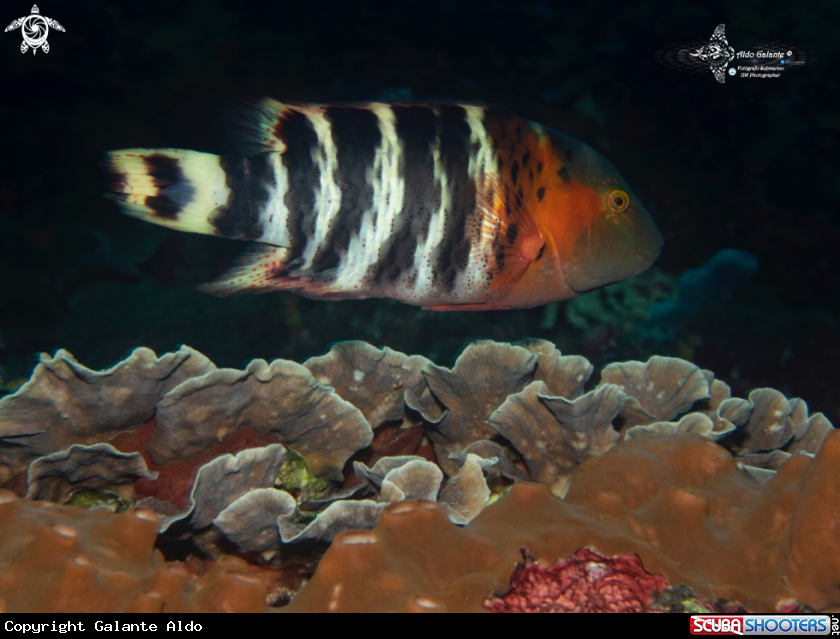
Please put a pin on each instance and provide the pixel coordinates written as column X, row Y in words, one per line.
column 749, row 165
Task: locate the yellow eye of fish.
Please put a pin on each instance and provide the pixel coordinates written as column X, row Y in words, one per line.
column 617, row 200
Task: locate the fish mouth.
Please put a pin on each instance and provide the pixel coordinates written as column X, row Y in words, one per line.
column 608, row 254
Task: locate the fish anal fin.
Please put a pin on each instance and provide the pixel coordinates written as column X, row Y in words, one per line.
column 259, row 269
column 465, row 307
column 263, row 269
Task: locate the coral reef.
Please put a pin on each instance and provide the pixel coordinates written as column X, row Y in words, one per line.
column 374, row 381
column 482, row 377
column 65, row 403
column 273, row 466
column 97, row 467
column 281, row 399
column 679, row 502
column 585, row 582
column 66, row 559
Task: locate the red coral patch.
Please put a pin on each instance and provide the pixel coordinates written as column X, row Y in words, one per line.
column 585, row 582
column 175, row 481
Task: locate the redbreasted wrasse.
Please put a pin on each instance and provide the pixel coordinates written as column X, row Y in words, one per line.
column 447, row 206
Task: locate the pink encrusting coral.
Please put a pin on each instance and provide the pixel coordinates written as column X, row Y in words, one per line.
column 585, row 582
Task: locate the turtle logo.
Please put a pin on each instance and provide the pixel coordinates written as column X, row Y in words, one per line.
column 718, row 54
column 35, row 29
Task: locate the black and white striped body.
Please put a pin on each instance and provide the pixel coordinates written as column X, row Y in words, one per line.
column 368, row 200
column 446, row 206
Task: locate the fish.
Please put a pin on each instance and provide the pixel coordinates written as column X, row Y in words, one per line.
column 450, row 206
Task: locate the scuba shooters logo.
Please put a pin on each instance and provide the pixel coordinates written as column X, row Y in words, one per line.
column 779, row 624
column 35, row 29
column 768, row 59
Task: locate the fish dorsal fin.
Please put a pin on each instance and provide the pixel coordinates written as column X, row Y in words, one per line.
column 505, row 221
column 256, row 126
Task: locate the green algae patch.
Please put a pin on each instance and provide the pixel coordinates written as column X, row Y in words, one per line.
column 98, row 500
column 295, row 478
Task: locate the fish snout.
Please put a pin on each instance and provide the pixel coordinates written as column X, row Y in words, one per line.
column 612, row 248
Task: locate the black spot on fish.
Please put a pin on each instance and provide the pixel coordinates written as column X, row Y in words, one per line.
column 250, row 181
column 540, row 193
column 539, row 167
column 569, row 155
column 164, row 170
column 564, row 175
column 542, row 250
column 519, row 196
column 163, row 207
column 174, row 190
column 525, row 158
column 500, row 260
column 507, row 209
column 514, row 172
column 512, row 233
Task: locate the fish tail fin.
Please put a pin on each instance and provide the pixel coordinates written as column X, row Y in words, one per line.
column 171, row 187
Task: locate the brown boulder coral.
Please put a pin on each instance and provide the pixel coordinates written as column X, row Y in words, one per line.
column 67, row 559
column 814, row 555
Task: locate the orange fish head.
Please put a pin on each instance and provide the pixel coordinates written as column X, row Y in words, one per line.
column 602, row 232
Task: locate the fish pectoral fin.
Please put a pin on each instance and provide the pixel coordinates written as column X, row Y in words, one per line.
column 259, row 269
column 502, row 217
